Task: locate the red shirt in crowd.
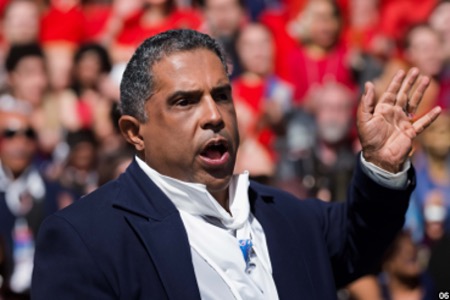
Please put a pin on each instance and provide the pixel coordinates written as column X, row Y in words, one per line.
column 306, row 71
column 59, row 24
column 134, row 32
column 253, row 95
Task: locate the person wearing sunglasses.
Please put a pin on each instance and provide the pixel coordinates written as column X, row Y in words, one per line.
column 26, row 197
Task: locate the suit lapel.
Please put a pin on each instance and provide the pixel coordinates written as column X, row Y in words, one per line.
column 290, row 271
column 158, row 225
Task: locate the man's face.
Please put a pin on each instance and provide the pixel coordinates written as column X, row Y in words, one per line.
column 324, row 27
column 17, row 142
column 29, row 80
column 191, row 132
column 334, row 114
column 223, row 17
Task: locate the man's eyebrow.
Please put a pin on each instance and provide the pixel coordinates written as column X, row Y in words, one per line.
column 221, row 88
column 196, row 93
column 185, row 94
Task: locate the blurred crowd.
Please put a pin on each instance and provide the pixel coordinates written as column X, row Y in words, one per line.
column 297, row 67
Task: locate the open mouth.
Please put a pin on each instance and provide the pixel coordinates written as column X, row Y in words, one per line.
column 215, row 150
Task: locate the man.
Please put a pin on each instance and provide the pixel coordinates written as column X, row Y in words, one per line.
column 223, row 21
column 26, row 197
column 324, row 168
column 178, row 225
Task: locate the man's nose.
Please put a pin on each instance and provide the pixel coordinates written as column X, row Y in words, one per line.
column 211, row 115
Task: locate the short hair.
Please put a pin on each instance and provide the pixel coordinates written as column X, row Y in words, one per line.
column 137, row 84
column 99, row 50
column 18, row 52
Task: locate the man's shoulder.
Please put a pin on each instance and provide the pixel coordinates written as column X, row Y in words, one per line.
column 89, row 206
column 284, row 200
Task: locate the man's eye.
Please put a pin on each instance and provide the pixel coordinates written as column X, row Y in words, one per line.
column 222, row 97
column 182, row 102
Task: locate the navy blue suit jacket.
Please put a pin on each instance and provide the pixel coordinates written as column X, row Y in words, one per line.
column 126, row 240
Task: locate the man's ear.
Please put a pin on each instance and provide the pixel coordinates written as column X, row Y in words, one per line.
column 130, row 127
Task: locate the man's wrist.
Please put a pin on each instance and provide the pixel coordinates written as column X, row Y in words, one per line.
column 398, row 180
column 382, row 164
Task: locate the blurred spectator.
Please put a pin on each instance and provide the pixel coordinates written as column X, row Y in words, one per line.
column 325, row 170
column 27, row 79
column 223, row 20
column 155, row 16
column 429, row 213
column 67, row 12
column 439, row 20
column 370, row 47
column 432, row 162
column 261, row 98
column 104, row 21
column 27, row 82
column 93, row 109
column 422, row 49
column 321, row 56
column 112, row 165
column 78, row 172
column 402, row 276
column 21, row 22
column 399, row 15
column 20, row 25
column 26, row 197
column 60, row 42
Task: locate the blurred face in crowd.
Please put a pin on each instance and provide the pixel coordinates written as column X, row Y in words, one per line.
column 255, row 48
column 60, row 65
column 88, row 69
column 436, row 139
column 28, row 80
column 403, row 262
column 362, row 12
column 425, row 50
column 223, row 17
column 440, row 20
column 191, row 131
column 324, row 25
column 17, row 142
column 333, row 111
column 82, row 156
column 21, row 22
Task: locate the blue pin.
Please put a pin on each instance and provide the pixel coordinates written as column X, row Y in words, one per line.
column 246, row 248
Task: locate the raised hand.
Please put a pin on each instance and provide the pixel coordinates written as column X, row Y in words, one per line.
column 385, row 127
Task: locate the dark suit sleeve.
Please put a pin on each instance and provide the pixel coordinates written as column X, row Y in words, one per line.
column 63, row 266
column 358, row 231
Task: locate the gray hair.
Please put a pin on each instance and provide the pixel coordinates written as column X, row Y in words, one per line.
column 137, row 84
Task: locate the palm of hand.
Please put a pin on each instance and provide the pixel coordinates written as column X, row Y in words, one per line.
column 385, row 128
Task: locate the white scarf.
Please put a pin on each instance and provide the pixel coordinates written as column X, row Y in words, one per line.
column 214, row 234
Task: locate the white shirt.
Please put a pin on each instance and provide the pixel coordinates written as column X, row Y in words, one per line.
column 214, row 234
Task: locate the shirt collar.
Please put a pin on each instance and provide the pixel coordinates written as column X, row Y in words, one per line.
column 194, row 199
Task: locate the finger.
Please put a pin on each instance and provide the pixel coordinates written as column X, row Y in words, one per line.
column 396, row 82
column 393, row 88
column 408, row 83
column 417, row 96
column 426, row 120
column 368, row 99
